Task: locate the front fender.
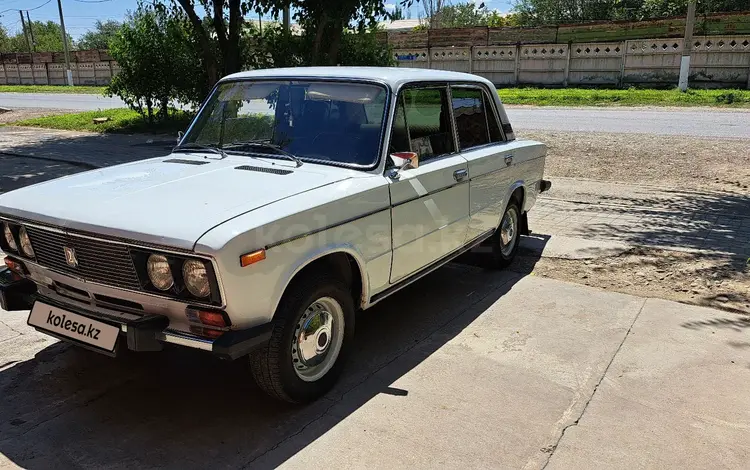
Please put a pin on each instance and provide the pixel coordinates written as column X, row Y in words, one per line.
column 314, row 254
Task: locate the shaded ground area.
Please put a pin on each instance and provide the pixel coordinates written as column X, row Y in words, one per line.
column 83, row 148
column 689, row 246
column 711, row 280
column 17, row 172
column 672, row 161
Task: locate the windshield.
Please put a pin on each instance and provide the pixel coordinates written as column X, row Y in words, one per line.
column 311, row 120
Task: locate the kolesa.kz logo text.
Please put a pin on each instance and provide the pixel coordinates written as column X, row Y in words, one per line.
column 80, row 328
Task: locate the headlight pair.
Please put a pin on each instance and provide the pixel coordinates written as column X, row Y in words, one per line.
column 23, row 238
column 194, row 275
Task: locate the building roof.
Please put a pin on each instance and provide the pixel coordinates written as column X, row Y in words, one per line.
column 401, row 25
column 393, row 76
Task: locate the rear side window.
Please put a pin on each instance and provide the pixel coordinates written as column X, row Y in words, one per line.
column 422, row 123
column 475, row 121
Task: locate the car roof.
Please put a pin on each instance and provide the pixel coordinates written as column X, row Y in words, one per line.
column 393, row 76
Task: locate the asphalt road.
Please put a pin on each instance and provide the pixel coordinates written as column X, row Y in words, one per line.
column 77, row 102
column 697, row 122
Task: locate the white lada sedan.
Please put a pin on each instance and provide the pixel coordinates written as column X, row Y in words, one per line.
column 296, row 198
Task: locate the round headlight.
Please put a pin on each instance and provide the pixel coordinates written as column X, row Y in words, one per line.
column 159, row 272
column 196, row 278
column 9, row 238
column 25, row 243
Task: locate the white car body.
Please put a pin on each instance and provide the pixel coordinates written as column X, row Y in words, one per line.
column 393, row 227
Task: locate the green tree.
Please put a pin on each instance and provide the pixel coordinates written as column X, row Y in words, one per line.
column 47, row 38
column 219, row 35
column 324, row 22
column 538, row 12
column 463, row 15
column 158, row 60
column 99, row 37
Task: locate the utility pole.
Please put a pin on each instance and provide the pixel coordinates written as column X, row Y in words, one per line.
column 68, row 72
column 31, row 32
column 687, row 48
column 25, row 33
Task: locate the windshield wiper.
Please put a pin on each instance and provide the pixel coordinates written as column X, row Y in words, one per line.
column 266, row 144
column 192, row 146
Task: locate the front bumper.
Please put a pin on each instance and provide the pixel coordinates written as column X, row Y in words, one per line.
column 146, row 332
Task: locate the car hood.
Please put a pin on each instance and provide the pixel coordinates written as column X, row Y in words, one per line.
column 169, row 201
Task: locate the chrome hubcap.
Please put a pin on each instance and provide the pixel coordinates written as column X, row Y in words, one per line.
column 317, row 339
column 509, row 231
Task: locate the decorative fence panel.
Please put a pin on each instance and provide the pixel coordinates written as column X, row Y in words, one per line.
column 652, row 62
column 720, row 61
column 457, row 59
column 595, row 63
column 414, row 58
column 495, row 63
column 543, row 64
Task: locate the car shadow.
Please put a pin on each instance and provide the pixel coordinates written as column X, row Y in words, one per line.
column 68, row 407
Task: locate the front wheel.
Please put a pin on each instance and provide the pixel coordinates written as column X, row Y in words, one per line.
column 313, row 328
column 505, row 239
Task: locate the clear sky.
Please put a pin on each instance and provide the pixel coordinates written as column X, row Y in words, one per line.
column 80, row 15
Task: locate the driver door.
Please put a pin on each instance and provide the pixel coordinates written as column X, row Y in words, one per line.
column 430, row 203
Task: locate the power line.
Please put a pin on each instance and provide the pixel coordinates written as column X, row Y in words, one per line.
column 40, row 6
column 93, row 1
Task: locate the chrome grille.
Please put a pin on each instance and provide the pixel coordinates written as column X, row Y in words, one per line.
column 98, row 261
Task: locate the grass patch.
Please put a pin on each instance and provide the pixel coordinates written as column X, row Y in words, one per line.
column 89, row 90
column 121, row 120
column 629, row 97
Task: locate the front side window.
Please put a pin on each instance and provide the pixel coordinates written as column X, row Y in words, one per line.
column 321, row 121
column 471, row 117
column 422, row 123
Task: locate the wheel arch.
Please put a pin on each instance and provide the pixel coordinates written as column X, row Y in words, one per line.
column 342, row 260
column 517, row 192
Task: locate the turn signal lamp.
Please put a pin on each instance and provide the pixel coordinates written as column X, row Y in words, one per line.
column 251, row 258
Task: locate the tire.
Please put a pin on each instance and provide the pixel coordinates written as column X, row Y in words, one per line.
column 300, row 374
column 505, row 243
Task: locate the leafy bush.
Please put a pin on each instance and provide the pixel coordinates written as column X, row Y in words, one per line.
column 159, row 64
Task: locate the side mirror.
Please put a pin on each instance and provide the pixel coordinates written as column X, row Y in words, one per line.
column 179, row 136
column 405, row 160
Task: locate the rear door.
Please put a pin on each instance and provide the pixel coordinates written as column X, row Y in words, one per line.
column 430, row 204
column 489, row 157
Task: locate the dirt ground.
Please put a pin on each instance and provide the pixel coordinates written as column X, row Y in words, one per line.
column 27, row 113
column 712, row 281
column 678, row 162
column 674, row 161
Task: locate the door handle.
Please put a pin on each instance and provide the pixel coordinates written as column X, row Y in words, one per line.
column 458, row 175
column 509, row 160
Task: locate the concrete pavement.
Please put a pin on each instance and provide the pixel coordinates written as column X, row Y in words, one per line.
column 487, row 369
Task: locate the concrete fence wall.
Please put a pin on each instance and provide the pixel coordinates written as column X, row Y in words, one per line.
column 48, row 68
column 717, row 61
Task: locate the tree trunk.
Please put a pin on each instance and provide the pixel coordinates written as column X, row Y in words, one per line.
column 232, row 56
column 316, row 59
column 335, row 43
column 150, row 108
column 212, row 68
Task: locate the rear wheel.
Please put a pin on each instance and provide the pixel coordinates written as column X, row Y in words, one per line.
column 313, row 329
column 505, row 240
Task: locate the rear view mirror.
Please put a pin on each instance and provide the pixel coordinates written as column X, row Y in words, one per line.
column 405, row 160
